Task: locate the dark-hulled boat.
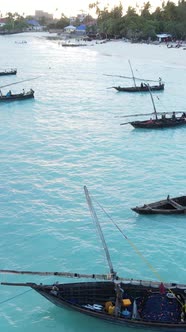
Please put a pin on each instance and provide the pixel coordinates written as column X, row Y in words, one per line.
column 143, row 87
column 159, row 123
column 140, row 303
column 126, row 302
column 19, row 96
column 8, row 72
column 140, row 88
column 176, row 205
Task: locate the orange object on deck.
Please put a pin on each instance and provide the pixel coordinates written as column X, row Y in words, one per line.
column 126, row 302
column 107, row 305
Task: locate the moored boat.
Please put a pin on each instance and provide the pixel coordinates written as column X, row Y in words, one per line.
column 140, row 88
column 126, row 302
column 159, row 123
column 155, row 122
column 8, row 72
column 143, row 87
column 176, row 205
column 19, row 96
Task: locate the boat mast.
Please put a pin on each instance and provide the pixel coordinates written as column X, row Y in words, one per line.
column 95, row 218
column 155, row 112
column 132, row 73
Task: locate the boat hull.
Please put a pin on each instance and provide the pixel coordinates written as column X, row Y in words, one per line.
column 86, row 296
column 158, row 124
column 175, row 205
column 11, row 72
column 15, row 97
column 157, row 211
column 145, row 88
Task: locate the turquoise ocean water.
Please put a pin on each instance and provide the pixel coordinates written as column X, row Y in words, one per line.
column 70, row 136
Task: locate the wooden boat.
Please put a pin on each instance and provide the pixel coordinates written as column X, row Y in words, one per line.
column 143, row 87
column 169, row 205
column 19, row 96
column 140, row 88
column 158, row 123
column 126, row 302
column 8, row 72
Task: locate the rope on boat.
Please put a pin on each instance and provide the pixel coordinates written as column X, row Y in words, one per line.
column 132, row 244
column 131, row 78
column 95, row 219
column 138, row 252
column 14, row 297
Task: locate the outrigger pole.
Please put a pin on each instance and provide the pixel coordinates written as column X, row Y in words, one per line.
column 60, row 274
column 131, row 115
column 30, row 79
column 131, row 78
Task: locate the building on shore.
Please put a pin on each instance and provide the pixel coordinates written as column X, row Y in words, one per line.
column 164, row 37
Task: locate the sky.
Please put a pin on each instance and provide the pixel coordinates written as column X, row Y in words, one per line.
column 67, row 7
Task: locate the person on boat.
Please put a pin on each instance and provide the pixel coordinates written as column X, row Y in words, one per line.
column 9, row 93
column 141, row 85
column 173, row 116
column 162, row 287
column 160, row 81
column 163, row 117
column 23, row 91
column 54, row 290
column 183, row 116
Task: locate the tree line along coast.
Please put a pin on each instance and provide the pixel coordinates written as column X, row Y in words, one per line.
column 133, row 23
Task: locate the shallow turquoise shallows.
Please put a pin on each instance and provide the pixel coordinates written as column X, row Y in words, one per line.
column 70, row 136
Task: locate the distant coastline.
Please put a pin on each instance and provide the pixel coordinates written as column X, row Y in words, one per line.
column 10, row 32
column 60, row 35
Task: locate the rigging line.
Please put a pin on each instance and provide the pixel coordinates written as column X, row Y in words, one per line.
column 137, row 250
column 131, row 243
column 95, row 219
column 137, row 78
column 132, row 73
column 14, row 297
column 30, row 79
column 128, row 116
column 160, row 101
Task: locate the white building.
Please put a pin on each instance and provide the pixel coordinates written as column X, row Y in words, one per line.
column 163, row 37
column 70, row 28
